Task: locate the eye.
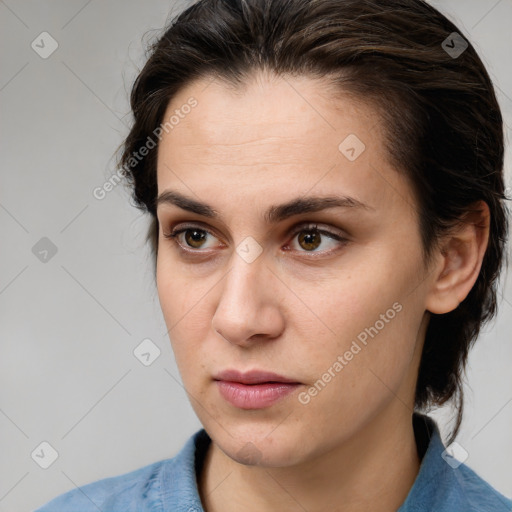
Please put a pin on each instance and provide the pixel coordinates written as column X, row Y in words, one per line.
column 309, row 239
column 194, row 237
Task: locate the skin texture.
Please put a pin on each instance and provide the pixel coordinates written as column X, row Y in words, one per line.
column 351, row 447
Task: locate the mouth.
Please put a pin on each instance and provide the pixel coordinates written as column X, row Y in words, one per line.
column 255, row 389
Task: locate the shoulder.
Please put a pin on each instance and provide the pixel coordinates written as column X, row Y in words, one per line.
column 150, row 488
column 455, row 488
column 445, row 484
column 124, row 492
column 479, row 495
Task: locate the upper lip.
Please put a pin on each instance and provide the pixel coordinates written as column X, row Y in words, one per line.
column 252, row 377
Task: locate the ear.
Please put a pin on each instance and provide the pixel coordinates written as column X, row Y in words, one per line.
column 459, row 260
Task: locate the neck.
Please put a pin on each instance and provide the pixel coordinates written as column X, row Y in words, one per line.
column 373, row 470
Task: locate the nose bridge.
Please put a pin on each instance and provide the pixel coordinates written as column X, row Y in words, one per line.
column 243, row 285
column 245, row 298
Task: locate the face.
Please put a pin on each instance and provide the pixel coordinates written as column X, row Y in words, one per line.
column 329, row 297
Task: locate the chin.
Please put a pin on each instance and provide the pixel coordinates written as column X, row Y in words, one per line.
column 251, row 454
column 264, row 445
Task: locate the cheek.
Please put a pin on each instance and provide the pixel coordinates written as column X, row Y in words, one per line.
column 354, row 380
column 371, row 320
column 178, row 290
column 188, row 322
column 185, row 309
column 348, row 303
column 377, row 283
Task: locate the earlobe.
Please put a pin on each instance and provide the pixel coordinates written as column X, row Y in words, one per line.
column 459, row 261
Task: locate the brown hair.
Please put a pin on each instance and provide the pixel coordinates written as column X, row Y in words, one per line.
column 444, row 129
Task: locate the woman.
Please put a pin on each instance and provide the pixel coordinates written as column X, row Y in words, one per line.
column 325, row 184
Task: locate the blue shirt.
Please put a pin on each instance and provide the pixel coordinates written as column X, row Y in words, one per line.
column 170, row 485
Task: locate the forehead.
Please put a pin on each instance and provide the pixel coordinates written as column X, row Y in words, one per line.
column 274, row 136
column 269, row 111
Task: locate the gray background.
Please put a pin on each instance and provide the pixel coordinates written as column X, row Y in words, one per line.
column 69, row 325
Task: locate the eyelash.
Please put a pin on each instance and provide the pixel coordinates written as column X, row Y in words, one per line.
column 294, row 232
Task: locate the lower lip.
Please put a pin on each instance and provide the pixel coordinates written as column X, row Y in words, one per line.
column 254, row 396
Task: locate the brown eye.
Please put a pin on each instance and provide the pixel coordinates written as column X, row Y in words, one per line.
column 195, row 237
column 310, row 240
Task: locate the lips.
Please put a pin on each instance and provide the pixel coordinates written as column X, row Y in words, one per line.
column 252, row 377
column 255, row 389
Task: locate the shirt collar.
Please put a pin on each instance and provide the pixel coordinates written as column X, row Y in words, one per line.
column 432, row 467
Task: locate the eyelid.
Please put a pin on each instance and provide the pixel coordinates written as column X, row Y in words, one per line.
column 304, row 226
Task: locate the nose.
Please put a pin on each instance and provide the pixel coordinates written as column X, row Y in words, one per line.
column 249, row 308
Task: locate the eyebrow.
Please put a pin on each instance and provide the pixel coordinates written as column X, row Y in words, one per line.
column 274, row 214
